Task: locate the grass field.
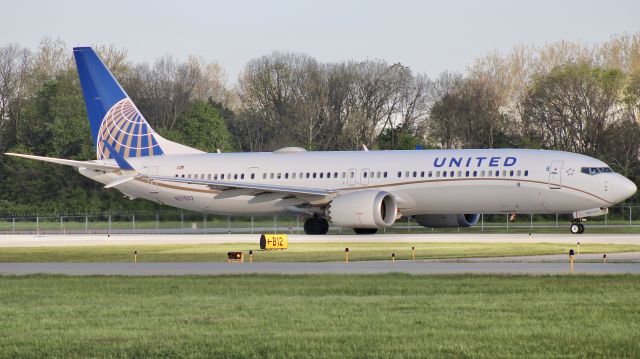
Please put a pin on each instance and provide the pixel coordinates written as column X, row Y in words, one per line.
column 312, row 252
column 320, row 316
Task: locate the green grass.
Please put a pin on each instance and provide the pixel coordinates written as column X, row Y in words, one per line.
column 313, row 252
column 262, row 316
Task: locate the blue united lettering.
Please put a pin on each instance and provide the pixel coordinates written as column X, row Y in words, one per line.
column 494, row 161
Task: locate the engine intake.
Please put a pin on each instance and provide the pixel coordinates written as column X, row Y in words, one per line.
column 447, row 220
column 363, row 209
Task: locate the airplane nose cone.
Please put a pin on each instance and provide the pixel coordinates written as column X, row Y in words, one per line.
column 625, row 188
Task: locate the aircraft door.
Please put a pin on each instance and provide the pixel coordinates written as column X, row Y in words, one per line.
column 351, row 176
column 151, row 183
column 364, row 176
column 555, row 175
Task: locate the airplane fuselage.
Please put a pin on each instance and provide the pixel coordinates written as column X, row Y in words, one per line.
column 423, row 182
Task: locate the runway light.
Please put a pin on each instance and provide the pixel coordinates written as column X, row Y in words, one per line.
column 250, row 256
column 135, row 256
column 571, row 253
column 604, row 258
column 578, row 247
column 346, row 255
column 413, row 253
column 393, row 257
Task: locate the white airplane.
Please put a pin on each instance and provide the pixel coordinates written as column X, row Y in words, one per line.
column 363, row 190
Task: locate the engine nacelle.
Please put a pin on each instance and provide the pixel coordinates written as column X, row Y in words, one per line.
column 447, row 220
column 363, row 209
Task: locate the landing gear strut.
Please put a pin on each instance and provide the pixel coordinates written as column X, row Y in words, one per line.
column 316, row 225
column 577, row 227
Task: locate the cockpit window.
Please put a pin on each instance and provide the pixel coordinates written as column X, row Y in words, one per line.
column 592, row 171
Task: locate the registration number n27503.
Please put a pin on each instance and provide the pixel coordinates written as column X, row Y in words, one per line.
column 184, row 198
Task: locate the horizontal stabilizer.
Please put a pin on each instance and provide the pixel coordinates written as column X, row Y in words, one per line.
column 61, row 161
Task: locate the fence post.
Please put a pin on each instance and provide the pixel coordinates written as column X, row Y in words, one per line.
column 408, row 224
column 251, row 224
column 181, row 222
column 37, row 225
column 531, row 221
column 275, row 225
column 13, row 228
column 109, row 224
column 605, row 220
column 630, row 220
column 157, row 224
column 86, row 224
column 61, row 225
column 482, row 222
column 228, row 223
column 205, row 223
column 133, row 220
column 507, row 222
column 556, row 220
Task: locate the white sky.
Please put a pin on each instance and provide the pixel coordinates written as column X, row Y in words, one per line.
column 428, row 36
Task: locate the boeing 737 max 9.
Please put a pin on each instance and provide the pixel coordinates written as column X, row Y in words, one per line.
column 363, row 190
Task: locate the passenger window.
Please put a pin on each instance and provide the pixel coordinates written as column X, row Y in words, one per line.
column 253, row 176
column 497, row 173
column 415, row 174
column 183, row 175
column 335, row 174
column 364, row 174
column 430, row 174
column 314, row 175
column 519, row 173
column 222, row 176
column 459, row 173
column 286, row 175
column 482, row 174
column 526, row 173
column 321, row 174
column 444, row 173
column 385, row 174
column 293, row 175
column 466, row 174
column 344, row 175
column 437, row 173
column 451, row 174
column 279, row 175
column 421, row 173
column 378, row 174
column 399, row 174
column 406, row 173
column 504, row 173
column 475, row 173
column 271, row 175
column 511, row 173
column 352, row 174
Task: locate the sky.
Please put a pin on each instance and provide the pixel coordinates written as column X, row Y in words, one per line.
column 428, row 36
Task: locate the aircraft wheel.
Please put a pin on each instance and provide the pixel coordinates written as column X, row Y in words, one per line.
column 316, row 225
column 575, row 228
column 581, row 228
column 365, row 230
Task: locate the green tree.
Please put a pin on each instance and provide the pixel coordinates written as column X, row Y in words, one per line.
column 202, row 127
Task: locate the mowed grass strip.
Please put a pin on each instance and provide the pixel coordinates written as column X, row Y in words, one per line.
column 311, row 252
column 320, row 316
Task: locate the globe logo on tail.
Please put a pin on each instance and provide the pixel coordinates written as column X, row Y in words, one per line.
column 126, row 131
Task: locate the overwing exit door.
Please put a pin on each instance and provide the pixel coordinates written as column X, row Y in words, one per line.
column 151, row 183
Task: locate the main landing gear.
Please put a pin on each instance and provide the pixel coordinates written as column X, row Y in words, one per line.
column 577, row 227
column 316, row 225
column 365, row 230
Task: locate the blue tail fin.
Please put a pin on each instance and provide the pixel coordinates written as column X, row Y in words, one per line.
column 114, row 118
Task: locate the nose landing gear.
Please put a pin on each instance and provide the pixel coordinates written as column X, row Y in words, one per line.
column 577, row 227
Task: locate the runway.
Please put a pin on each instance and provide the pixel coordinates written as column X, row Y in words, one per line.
column 125, row 239
column 301, row 268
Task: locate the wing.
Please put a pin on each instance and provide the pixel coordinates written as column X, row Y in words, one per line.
column 232, row 189
column 61, row 161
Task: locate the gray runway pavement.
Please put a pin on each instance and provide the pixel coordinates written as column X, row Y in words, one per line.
column 123, row 239
column 296, row 268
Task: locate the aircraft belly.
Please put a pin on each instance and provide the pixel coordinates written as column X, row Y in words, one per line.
column 481, row 197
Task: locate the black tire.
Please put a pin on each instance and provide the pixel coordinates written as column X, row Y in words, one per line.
column 365, row 230
column 581, row 228
column 316, row 225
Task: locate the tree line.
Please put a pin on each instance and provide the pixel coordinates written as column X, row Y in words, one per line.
column 563, row 95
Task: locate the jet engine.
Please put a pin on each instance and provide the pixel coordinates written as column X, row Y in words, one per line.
column 363, row 209
column 447, row 220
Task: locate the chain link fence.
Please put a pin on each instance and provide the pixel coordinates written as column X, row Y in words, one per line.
column 198, row 223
